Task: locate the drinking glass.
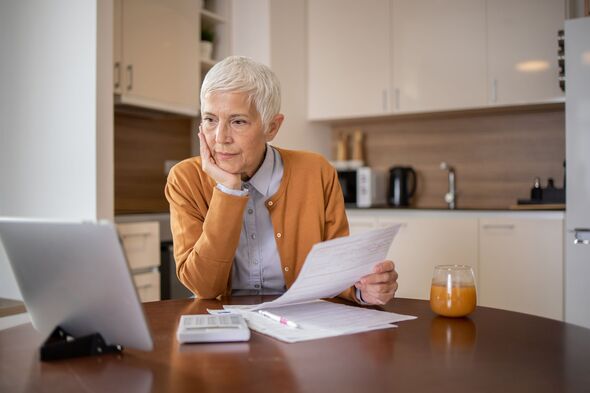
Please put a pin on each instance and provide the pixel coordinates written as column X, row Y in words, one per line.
column 452, row 293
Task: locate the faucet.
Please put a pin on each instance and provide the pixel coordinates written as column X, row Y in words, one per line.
column 450, row 196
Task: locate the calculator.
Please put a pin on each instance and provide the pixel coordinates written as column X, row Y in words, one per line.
column 212, row 328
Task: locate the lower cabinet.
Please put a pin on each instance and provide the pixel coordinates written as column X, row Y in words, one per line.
column 141, row 244
column 517, row 258
column 423, row 243
column 521, row 265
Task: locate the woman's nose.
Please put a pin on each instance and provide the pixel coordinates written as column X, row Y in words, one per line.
column 222, row 133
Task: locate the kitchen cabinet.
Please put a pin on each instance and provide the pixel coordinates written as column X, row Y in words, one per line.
column 348, row 71
column 522, row 50
column 421, row 244
column 385, row 57
column 156, row 57
column 521, row 265
column 439, row 60
column 517, row 258
column 141, row 244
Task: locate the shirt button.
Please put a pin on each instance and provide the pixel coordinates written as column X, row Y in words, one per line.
column 256, row 262
column 250, row 211
column 270, row 203
column 253, row 236
column 279, row 235
column 256, row 286
column 286, row 268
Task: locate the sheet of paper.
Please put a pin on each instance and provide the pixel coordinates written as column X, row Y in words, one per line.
column 319, row 319
column 334, row 265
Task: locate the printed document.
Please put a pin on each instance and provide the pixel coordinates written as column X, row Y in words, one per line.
column 330, row 268
column 334, row 265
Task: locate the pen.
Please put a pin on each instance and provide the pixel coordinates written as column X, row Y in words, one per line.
column 276, row 318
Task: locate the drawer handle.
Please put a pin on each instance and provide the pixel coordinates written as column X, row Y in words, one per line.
column 144, row 286
column 582, row 236
column 498, row 226
column 129, row 235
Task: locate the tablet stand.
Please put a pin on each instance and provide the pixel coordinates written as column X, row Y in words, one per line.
column 62, row 345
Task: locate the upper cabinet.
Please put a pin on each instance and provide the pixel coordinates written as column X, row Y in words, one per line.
column 348, row 43
column 522, row 50
column 438, row 59
column 157, row 54
column 381, row 57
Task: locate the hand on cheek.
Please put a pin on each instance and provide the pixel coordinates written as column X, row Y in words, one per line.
column 379, row 287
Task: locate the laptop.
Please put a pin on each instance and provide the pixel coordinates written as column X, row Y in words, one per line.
column 74, row 275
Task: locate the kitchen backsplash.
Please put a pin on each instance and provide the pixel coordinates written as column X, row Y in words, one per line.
column 496, row 154
column 143, row 145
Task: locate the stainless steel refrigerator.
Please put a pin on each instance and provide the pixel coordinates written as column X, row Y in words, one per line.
column 577, row 107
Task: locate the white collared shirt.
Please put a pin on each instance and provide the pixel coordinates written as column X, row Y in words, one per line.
column 257, row 264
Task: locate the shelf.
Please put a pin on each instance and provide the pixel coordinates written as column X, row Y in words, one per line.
column 211, row 17
column 206, row 65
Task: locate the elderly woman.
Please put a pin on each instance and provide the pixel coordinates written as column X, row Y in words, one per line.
column 245, row 214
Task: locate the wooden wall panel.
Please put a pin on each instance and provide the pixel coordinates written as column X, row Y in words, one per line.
column 142, row 145
column 496, row 155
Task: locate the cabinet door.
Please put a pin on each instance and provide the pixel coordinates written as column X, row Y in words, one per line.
column 423, row 243
column 439, row 54
column 522, row 50
column 160, row 54
column 117, row 46
column 141, row 243
column 361, row 221
column 521, row 265
column 348, row 58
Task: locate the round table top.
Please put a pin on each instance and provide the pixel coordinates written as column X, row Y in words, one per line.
column 490, row 351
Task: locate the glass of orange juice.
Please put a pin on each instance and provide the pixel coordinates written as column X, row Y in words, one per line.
column 452, row 293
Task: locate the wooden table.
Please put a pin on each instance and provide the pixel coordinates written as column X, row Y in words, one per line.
column 491, row 351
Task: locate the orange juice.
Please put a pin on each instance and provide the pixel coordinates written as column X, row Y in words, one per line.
column 454, row 301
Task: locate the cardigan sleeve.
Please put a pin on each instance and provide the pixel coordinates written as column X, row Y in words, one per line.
column 205, row 237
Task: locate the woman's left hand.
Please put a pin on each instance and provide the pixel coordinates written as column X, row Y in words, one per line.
column 379, row 286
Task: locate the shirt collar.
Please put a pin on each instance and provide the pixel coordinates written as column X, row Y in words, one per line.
column 262, row 178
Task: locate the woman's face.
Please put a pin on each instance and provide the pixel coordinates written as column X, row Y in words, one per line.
column 234, row 133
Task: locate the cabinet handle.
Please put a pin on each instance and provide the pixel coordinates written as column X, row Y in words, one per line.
column 384, row 99
column 494, row 90
column 581, row 236
column 144, row 286
column 117, row 75
column 130, row 77
column 498, row 226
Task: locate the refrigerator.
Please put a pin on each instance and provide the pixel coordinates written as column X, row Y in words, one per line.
column 577, row 217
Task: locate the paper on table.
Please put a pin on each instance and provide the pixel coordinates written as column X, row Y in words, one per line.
column 335, row 265
column 320, row 319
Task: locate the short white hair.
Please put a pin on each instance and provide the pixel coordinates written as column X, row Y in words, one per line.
column 244, row 75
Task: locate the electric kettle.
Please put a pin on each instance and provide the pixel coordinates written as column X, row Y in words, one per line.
column 402, row 185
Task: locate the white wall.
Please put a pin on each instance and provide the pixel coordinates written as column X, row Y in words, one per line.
column 275, row 33
column 251, row 29
column 56, row 121
column 288, row 39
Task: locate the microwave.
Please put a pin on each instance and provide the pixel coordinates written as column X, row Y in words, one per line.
column 363, row 187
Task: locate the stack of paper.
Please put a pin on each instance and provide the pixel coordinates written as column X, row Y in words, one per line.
column 319, row 319
column 330, row 268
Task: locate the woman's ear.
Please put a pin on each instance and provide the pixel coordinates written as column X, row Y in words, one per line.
column 273, row 127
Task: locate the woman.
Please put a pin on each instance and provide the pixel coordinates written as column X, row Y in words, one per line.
column 244, row 214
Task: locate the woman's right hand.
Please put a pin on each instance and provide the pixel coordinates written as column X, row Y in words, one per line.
column 229, row 180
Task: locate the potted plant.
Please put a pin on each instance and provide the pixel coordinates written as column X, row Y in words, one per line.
column 207, row 37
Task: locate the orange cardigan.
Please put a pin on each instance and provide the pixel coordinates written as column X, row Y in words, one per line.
column 206, row 223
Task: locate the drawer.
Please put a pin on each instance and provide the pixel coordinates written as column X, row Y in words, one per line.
column 141, row 243
column 148, row 286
